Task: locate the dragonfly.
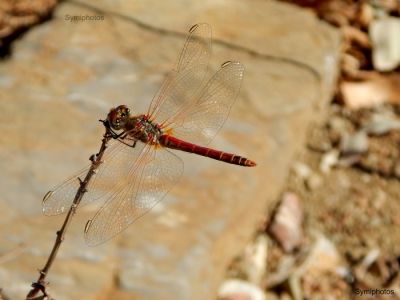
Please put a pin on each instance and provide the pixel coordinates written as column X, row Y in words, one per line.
column 138, row 167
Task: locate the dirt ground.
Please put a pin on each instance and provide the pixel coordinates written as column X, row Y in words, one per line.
column 335, row 233
column 352, row 206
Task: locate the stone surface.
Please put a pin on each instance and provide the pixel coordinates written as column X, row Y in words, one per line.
column 64, row 76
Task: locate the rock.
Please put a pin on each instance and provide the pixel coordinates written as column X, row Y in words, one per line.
column 323, row 272
column 370, row 258
column 329, row 160
column 380, row 124
column 371, row 92
column 362, row 271
column 356, row 36
column 63, row 77
column 235, row 289
column 285, row 268
column 301, row 170
column 314, row 181
column 366, row 15
column 323, row 257
column 349, row 160
column 396, row 169
column 295, row 287
column 385, row 37
column 255, row 259
column 338, row 124
column 286, row 227
column 18, row 15
column 355, row 143
column 304, row 172
column 272, row 296
column 350, row 65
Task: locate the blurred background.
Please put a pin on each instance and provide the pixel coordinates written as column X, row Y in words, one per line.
column 318, row 218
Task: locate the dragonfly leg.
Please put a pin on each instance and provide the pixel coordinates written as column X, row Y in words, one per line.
column 114, row 135
column 118, row 136
column 129, row 145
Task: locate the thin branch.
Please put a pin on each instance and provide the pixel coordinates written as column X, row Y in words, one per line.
column 40, row 285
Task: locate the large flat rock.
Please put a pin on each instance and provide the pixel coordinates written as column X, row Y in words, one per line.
column 64, row 76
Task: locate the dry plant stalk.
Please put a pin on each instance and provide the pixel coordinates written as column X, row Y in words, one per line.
column 40, row 285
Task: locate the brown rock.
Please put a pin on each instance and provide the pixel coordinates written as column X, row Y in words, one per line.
column 376, row 90
column 286, row 227
column 18, row 15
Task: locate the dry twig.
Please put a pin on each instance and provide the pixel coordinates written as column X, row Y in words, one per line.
column 40, row 285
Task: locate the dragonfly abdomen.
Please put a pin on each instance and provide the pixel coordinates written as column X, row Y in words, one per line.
column 175, row 143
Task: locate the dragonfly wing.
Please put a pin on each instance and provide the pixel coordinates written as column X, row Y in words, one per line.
column 205, row 117
column 197, row 48
column 181, row 84
column 114, row 170
column 59, row 199
column 150, row 178
column 117, row 160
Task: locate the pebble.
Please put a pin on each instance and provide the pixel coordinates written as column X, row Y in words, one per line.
column 236, row 289
column 301, row 170
column 329, row 160
column 323, row 257
column 285, row 268
column 370, row 258
column 311, row 179
column 313, row 182
column 380, row 124
column 385, row 37
column 355, row 143
column 255, row 259
column 396, row 169
column 338, row 124
column 286, row 227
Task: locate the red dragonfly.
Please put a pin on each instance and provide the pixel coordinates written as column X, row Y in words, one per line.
column 138, row 169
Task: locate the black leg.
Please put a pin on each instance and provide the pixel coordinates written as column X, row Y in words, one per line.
column 114, row 135
column 125, row 143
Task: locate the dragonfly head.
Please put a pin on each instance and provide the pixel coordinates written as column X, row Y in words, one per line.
column 118, row 117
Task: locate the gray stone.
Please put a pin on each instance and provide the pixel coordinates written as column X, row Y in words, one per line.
column 385, row 37
column 354, row 143
column 380, row 124
column 64, row 76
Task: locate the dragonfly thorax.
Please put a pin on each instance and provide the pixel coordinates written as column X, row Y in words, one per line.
column 139, row 127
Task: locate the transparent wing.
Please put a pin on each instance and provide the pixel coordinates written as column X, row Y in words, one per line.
column 202, row 120
column 117, row 161
column 150, row 178
column 60, row 198
column 197, row 48
column 185, row 82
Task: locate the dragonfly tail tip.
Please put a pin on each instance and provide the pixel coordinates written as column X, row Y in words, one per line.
column 250, row 163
